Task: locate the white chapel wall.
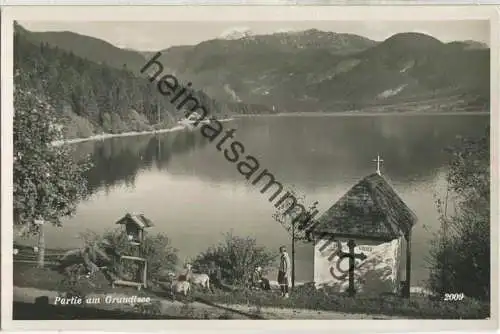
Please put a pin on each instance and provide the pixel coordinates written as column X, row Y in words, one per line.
column 378, row 273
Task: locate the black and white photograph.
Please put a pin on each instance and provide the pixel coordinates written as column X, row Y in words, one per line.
column 248, row 168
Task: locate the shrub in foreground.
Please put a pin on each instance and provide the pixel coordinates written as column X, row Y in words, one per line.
column 237, row 258
column 460, row 256
column 156, row 249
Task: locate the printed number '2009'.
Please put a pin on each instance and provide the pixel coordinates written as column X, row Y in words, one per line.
column 453, row 296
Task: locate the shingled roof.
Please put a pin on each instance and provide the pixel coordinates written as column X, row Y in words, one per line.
column 371, row 209
column 140, row 220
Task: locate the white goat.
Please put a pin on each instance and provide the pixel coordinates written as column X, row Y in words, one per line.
column 177, row 286
column 202, row 280
column 180, row 287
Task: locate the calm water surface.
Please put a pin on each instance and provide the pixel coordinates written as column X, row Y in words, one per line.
column 192, row 193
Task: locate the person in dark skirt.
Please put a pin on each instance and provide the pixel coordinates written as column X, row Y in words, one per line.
column 284, row 272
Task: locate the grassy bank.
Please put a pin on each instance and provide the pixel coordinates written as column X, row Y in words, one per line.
column 304, row 297
column 307, row 297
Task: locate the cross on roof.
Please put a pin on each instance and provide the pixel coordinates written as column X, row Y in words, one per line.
column 378, row 161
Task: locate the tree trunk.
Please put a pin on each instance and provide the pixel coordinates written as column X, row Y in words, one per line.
column 41, row 246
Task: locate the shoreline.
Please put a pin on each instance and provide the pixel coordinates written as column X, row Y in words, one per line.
column 361, row 113
column 125, row 134
column 294, row 114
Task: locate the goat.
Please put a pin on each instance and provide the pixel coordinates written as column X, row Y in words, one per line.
column 180, row 287
column 202, row 280
column 177, row 284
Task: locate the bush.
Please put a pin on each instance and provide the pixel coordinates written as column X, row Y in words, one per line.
column 237, row 258
column 158, row 252
column 460, row 254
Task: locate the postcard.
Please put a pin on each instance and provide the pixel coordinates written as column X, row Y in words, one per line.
column 196, row 163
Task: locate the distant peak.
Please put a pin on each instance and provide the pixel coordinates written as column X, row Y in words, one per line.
column 312, row 31
column 413, row 37
column 285, row 31
column 236, row 33
column 409, row 41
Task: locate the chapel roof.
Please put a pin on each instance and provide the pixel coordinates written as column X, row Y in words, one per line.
column 371, row 209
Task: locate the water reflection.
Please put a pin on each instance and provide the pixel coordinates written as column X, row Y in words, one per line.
column 309, row 153
column 117, row 161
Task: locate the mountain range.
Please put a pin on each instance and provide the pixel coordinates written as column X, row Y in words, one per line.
column 312, row 70
column 324, row 71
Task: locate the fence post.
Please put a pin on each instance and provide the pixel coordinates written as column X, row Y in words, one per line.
column 41, row 243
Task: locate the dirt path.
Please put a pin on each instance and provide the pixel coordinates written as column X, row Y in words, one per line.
column 194, row 310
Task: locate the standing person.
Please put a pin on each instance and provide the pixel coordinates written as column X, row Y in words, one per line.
column 284, row 272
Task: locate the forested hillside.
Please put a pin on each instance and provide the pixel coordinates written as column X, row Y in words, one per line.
column 95, row 98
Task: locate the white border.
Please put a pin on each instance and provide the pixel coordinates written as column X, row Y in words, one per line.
column 235, row 13
column 248, row 2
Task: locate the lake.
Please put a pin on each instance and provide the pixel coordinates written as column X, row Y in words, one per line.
column 191, row 192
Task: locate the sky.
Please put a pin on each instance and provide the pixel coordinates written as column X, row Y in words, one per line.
column 155, row 36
